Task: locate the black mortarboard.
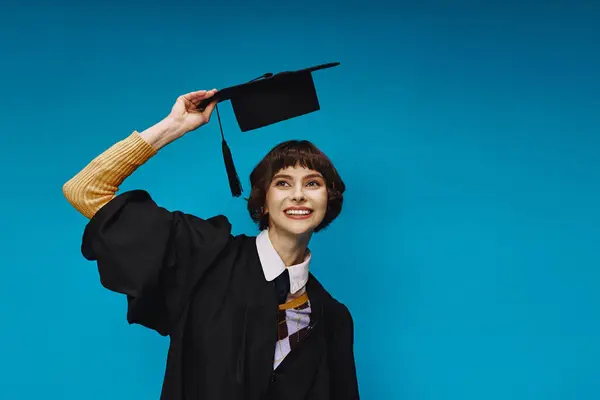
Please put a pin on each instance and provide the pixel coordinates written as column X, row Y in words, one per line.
column 266, row 100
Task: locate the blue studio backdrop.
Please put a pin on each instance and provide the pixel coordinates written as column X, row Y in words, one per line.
column 467, row 134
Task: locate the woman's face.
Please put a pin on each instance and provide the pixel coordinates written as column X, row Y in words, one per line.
column 296, row 200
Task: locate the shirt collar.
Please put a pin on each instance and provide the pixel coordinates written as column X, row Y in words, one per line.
column 273, row 266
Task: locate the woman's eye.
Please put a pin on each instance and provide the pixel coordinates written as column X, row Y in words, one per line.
column 309, row 184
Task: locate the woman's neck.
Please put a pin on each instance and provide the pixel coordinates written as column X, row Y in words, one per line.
column 291, row 248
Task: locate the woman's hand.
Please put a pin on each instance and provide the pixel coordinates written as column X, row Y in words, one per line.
column 184, row 113
column 183, row 118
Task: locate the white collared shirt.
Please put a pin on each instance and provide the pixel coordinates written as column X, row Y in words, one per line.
column 273, row 266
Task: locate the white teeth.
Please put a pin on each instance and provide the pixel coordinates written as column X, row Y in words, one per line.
column 298, row 212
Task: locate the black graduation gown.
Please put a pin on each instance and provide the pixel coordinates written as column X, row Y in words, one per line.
column 191, row 279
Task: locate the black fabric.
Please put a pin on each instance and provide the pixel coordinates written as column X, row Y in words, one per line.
column 191, row 279
column 282, row 286
column 271, row 98
column 274, row 100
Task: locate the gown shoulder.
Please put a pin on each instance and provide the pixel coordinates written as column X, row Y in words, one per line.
column 152, row 255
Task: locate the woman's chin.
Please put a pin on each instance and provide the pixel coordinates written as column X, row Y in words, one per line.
column 296, row 226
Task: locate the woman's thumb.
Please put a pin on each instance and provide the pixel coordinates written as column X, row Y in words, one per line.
column 209, row 109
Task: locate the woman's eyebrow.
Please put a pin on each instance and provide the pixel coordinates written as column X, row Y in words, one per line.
column 313, row 176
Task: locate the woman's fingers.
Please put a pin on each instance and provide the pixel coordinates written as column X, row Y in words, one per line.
column 208, row 110
column 196, row 97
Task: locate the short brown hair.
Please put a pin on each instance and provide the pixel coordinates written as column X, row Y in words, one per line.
column 290, row 154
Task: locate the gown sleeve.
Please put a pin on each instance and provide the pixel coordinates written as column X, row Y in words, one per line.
column 152, row 255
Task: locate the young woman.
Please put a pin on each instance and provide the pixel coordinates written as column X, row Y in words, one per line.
column 245, row 317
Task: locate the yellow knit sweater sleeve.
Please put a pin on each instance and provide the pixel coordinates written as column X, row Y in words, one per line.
column 97, row 184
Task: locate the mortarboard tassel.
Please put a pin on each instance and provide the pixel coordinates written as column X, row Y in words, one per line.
column 234, row 180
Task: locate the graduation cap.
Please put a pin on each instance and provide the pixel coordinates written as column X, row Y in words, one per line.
column 266, row 100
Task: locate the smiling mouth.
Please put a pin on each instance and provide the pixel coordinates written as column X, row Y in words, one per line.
column 298, row 213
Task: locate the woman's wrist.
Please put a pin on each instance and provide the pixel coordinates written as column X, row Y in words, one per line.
column 162, row 133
